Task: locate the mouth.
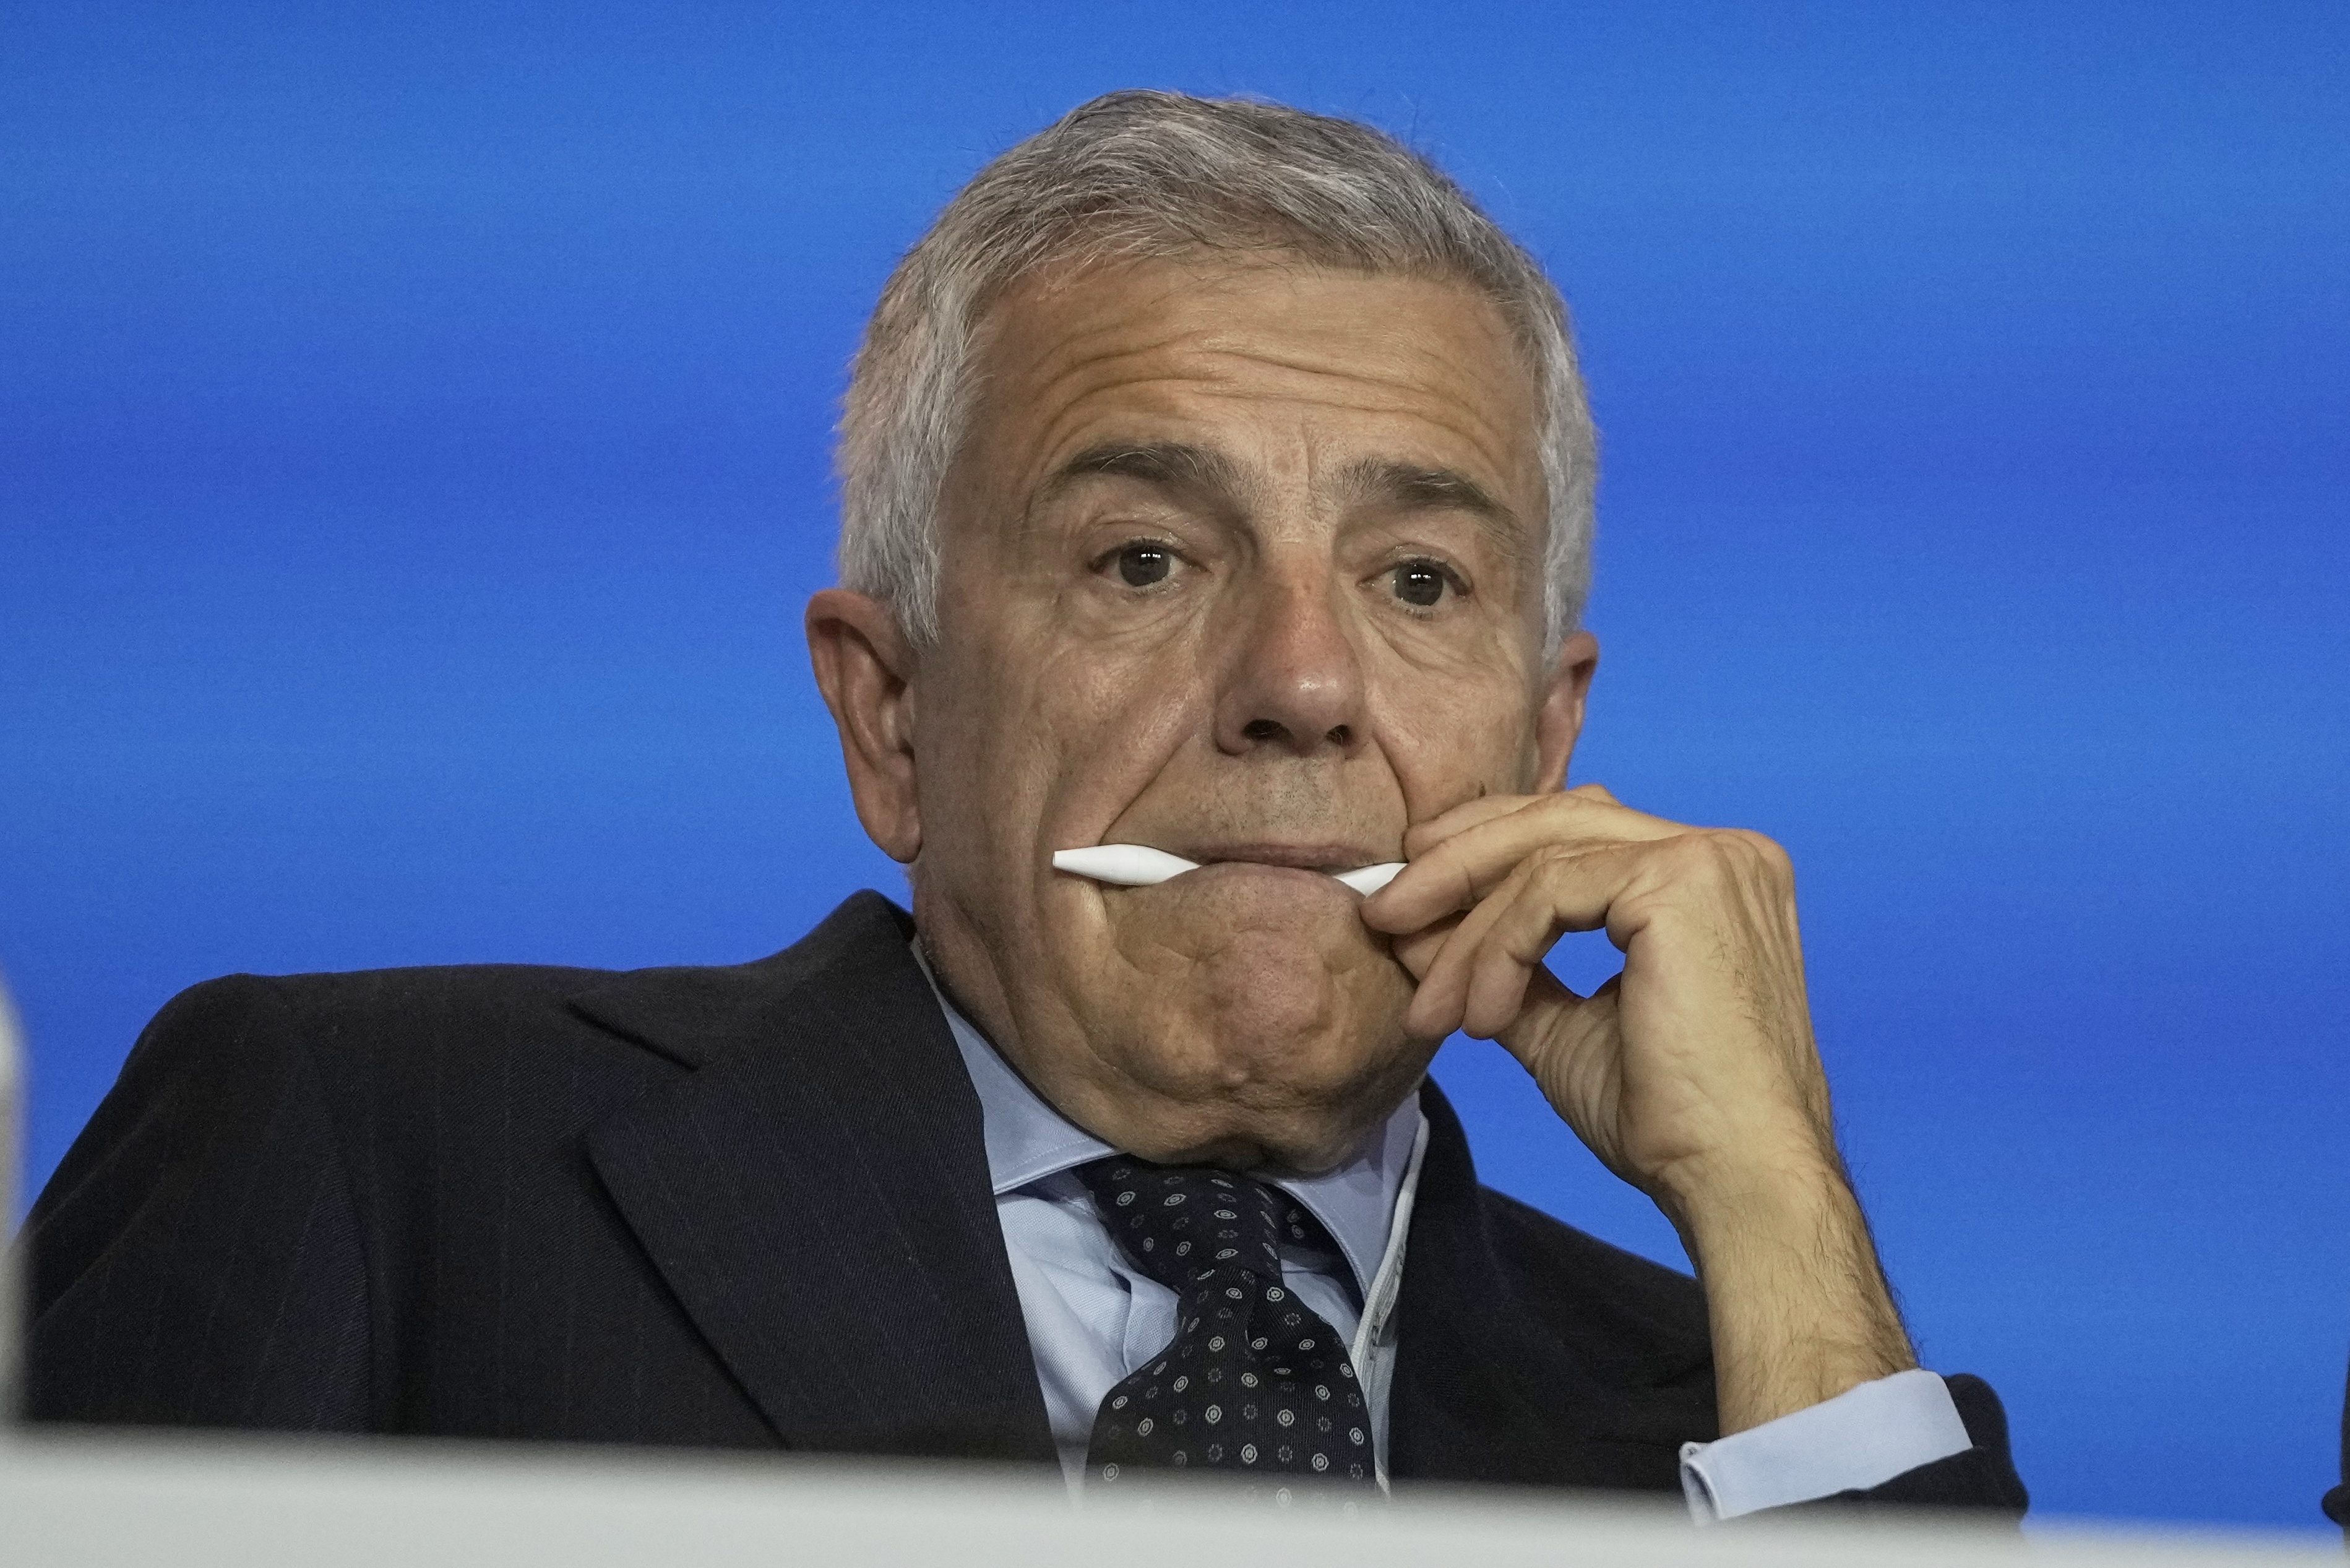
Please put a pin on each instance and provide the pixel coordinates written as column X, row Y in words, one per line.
column 1328, row 858
column 1142, row 866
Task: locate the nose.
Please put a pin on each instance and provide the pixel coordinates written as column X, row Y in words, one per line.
column 1294, row 684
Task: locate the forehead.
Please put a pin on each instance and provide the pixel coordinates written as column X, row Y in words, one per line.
column 1251, row 356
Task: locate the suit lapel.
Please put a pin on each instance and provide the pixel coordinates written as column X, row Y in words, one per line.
column 816, row 1193
column 1449, row 1416
column 1502, row 1376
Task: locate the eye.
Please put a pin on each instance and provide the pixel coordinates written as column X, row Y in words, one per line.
column 1420, row 584
column 1143, row 565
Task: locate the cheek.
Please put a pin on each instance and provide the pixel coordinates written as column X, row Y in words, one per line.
column 1047, row 747
column 1456, row 739
column 1117, row 709
column 983, row 756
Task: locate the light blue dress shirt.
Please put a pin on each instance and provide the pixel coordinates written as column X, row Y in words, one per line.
column 1094, row 1319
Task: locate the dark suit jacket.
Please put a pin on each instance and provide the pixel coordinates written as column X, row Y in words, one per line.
column 744, row 1207
column 2336, row 1502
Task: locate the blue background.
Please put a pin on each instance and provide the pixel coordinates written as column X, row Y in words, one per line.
column 413, row 459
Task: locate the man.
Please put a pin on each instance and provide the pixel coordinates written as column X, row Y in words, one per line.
column 1217, row 481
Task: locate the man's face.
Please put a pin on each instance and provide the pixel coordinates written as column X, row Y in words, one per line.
column 1242, row 561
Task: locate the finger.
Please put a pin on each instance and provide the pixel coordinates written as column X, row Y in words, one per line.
column 1454, row 874
column 1555, row 896
column 1423, row 836
column 1417, row 951
column 1552, row 891
column 1440, row 1004
column 1533, row 1036
column 1570, row 1043
column 1495, row 994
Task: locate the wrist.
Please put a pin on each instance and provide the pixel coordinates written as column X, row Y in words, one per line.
column 1762, row 1186
column 1801, row 1311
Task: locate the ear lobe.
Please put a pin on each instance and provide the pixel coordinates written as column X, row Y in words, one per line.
column 1559, row 722
column 865, row 670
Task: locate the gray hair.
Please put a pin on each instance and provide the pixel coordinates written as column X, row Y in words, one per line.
column 1142, row 175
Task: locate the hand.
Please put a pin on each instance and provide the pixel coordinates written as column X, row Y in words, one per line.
column 1693, row 1074
column 1698, row 1058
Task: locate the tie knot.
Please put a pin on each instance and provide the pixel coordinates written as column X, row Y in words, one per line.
column 1181, row 1224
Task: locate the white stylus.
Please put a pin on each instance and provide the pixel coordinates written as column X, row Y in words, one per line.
column 1139, row 865
column 1368, row 880
column 1123, row 864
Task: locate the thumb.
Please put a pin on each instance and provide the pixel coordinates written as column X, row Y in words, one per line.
column 1550, row 1016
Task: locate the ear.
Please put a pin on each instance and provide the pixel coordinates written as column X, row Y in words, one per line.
column 1560, row 722
column 865, row 670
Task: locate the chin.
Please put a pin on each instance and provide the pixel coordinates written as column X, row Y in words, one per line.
column 1286, row 1125
column 1237, row 1019
column 1274, row 1056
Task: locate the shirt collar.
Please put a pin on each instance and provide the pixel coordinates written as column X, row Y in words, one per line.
column 1029, row 1140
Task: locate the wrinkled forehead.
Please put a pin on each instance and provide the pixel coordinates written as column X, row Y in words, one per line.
column 1416, row 371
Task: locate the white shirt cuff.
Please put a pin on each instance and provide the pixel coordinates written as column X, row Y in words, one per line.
column 1862, row 1438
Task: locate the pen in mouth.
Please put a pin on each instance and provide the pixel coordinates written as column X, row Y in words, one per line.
column 1139, row 865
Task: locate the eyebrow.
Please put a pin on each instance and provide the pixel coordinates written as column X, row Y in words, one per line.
column 1415, row 488
column 1408, row 486
column 1173, row 465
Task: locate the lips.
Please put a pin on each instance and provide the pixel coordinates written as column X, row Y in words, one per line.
column 1329, row 858
column 1142, row 866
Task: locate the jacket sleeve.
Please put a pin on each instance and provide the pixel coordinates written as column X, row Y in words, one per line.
column 2336, row 1502
column 197, row 1259
column 1981, row 1477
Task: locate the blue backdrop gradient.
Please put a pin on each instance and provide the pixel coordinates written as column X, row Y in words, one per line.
column 414, row 457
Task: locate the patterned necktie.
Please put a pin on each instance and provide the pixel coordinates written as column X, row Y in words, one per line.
column 1255, row 1381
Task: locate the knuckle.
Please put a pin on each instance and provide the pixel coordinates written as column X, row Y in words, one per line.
column 1557, row 810
column 1546, row 871
column 1772, row 855
column 1743, row 849
column 1545, row 858
column 1695, row 854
